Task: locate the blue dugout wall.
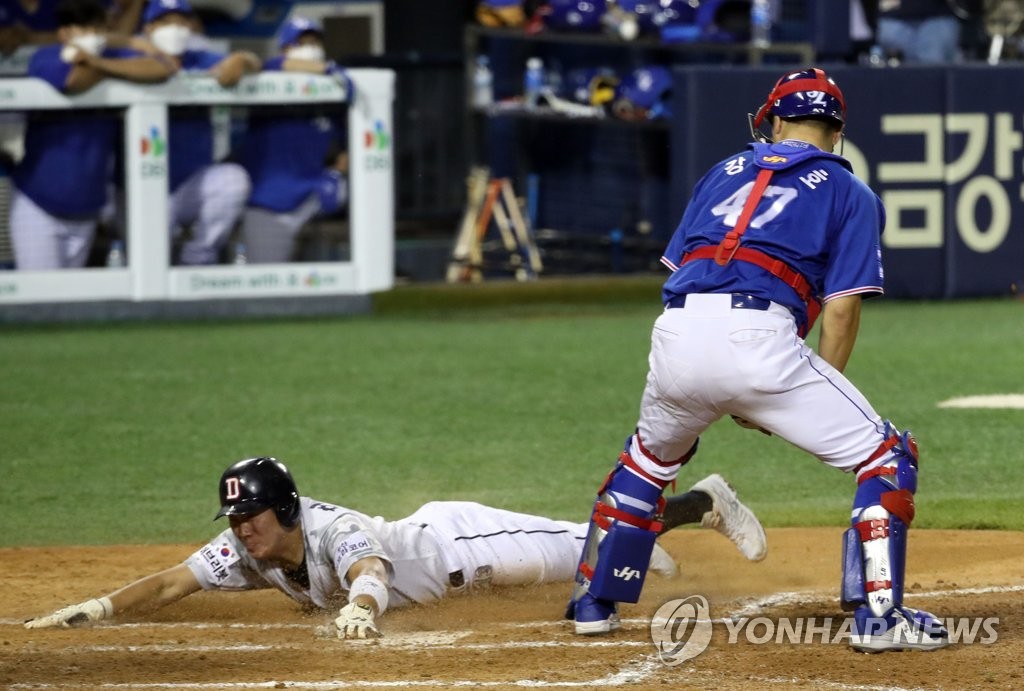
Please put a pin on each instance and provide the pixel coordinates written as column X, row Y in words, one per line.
column 943, row 147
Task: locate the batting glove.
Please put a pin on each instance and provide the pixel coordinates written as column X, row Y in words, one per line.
column 356, row 621
column 74, row 615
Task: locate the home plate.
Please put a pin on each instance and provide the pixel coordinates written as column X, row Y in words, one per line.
column 1005, row 400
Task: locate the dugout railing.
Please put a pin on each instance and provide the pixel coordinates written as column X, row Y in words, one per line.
column 148, row 275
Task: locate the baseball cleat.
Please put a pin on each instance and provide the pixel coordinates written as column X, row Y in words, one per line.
column 730, row 517
column 662, row 562
column 902, row 628
column 594, row 616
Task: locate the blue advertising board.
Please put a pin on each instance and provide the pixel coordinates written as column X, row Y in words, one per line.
column 942, row 147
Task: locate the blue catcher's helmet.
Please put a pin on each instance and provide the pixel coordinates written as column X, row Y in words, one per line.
column 591, row 86
column 808, row 93
column 257, row 484
column 643, row 94
column 574, row 15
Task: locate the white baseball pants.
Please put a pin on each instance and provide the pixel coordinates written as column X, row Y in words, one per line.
column 708, row 360
column 211, row 201
column 42, row 241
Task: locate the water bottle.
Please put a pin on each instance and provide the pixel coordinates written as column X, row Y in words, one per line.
column 533, row 82
column 483, row 83
column 761, row 23
column 115, row 257
column 240, row 256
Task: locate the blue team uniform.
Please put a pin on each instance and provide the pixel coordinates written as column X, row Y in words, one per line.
column 68, row 156
column 284, row 155
column 811, row 195
column 191, row 133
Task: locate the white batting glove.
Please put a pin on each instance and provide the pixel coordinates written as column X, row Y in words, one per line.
column 356, row 621
column 73, row 615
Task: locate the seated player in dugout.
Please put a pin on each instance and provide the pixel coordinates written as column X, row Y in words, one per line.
column 52, row 224
column 329, row 556
column 207, row 196
column 295, row 157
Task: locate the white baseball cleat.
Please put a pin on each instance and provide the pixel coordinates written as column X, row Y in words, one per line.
column 662, row 562
column 730, row 517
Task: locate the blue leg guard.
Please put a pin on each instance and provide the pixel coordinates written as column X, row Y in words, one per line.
column 874, row 557
column 618, row 548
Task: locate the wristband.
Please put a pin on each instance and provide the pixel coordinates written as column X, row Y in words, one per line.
column 108, row 607
column 371, row 586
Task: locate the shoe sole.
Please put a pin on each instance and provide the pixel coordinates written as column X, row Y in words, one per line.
column 596, row 628
column 865, row 645
column 717, row 486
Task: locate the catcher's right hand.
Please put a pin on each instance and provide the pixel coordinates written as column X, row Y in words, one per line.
column 356, row 621
column 73, row 615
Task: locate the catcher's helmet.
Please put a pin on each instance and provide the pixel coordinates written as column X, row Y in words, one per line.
column 257, row 484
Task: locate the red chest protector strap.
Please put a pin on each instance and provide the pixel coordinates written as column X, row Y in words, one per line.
column 730, row 249
column 731, row 242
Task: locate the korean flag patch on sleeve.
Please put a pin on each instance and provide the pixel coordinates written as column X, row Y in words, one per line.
column 216, row 559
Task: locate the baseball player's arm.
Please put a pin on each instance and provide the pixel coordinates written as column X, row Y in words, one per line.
column 151, row 592
column 89, row 70
column 231, row 69
column 367, row 598
column 840, row 321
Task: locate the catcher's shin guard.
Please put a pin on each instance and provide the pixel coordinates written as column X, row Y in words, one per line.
column 875, row 546
column 874, row 556
column 623, row 527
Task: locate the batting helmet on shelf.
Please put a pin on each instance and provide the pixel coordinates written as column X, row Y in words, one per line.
column 643, row 94
column 574, row 15
column 803, row 94
column 653, row 15
column 591, row 86
column 257, row 484
column 496, row 13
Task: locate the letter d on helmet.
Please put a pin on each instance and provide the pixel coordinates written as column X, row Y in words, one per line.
column 256, row 484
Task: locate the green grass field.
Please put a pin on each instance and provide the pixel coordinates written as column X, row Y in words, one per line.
column 513, row 395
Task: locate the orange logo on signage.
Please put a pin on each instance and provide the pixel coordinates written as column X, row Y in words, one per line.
column 774, row 159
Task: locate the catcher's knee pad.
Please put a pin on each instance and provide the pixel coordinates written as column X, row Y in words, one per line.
column 623, row 527
column 875, row 546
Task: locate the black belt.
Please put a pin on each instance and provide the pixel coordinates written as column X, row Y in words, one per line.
column 740, row 301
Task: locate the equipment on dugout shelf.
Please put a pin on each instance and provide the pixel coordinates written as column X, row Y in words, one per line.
column 494, row 199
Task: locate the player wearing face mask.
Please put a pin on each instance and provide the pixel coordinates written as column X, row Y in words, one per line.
column 206, row 195
column 296, row 160
column 61, row 182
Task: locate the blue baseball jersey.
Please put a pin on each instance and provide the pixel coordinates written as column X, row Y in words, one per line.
column 284, row 154
column 815, row 216
column 68, row 155
column 191, row 132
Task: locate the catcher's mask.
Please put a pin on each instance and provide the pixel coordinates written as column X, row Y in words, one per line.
column 256, row 484
column 804, row 94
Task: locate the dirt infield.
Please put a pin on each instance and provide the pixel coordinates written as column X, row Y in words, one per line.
column 515, row 638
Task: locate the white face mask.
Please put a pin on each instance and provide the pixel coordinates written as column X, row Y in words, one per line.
column 171, row 39
column 305, row 52
column 93, row 44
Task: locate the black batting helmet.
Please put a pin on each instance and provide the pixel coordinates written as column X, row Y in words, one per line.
column 257, row 484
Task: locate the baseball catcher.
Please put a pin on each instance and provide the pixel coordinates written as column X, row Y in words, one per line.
column 774, row 236
column 335, row 558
